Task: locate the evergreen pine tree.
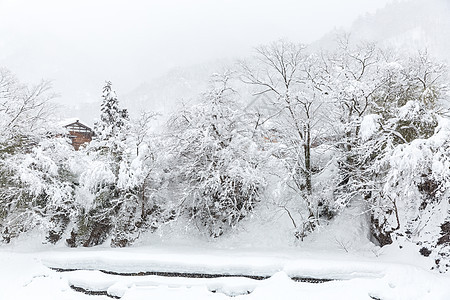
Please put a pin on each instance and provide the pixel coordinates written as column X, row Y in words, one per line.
column 108, row 151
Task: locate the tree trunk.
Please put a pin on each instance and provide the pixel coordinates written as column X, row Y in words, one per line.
column 307, row 146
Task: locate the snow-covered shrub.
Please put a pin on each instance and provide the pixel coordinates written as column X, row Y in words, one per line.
column 393, row 156
column 414, row 199
column 394, row 169
column 37, row 189
column 143, row 207
column 216, row 161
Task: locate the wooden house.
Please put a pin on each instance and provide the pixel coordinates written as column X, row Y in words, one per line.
column 79, row 133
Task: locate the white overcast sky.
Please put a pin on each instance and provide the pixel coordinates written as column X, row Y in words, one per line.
column 79, row 44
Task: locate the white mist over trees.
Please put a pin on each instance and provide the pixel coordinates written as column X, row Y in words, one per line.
column 314, row 133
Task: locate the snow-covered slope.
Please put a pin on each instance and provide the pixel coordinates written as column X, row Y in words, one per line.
column 165, row 93
column 408, row 25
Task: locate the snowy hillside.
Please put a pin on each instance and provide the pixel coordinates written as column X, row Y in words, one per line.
column 407, row 25
column 163, row 94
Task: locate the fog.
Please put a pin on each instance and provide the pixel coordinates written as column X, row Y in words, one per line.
column 80, row 44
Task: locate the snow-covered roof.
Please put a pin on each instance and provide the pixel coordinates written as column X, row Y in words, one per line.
column 69, row 121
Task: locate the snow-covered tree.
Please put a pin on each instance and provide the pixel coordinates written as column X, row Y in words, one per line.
column 390, row 107
column 112, row 128
column 36, row 182
column 215, row 160
column 142, row 185
column 294, row 87
column 24, row 112
column 405, row 116
column 36, row 189
column 109, row 152
column 118, row 196
column 356, row 83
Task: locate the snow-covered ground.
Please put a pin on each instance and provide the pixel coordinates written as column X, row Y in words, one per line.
column 340, row 252
column 26, row 275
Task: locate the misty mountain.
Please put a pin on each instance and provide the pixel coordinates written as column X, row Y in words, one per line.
column 411, row 25
column 180, row 84
column 406, row 25
column 160, row 94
